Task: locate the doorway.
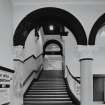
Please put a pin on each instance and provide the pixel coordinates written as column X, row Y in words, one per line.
column 53, row 55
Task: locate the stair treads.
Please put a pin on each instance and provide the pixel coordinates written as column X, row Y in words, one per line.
column 50, row 85
column 51, row 74
column 50, row 89
column 47, row 92
column 40, row 88
column 47, row 99
column 48, row 102
column 28, row 103
column 50, row 79
column 46, row 95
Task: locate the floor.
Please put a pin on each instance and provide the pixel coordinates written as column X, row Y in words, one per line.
column 98, row 103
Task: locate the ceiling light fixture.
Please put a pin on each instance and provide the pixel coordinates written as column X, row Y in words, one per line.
column 51, row 27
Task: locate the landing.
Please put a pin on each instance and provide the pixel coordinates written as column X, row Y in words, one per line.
column 50, row 74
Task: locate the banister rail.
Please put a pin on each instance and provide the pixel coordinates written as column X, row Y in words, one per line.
column 6, row 69
column 33, row 65
column 72, row 75
column 28, row 58
column 73, row 86
column 34, row 71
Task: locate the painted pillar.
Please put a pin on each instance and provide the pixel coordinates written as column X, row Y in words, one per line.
column 86, row 90
column 86, row 76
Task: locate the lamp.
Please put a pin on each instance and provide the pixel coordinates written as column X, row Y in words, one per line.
column 51, row 27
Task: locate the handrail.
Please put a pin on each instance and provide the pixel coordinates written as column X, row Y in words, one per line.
column 72, row 75
column 25, row 81
column 6, row 69
column 73, row 86
column 28, row 58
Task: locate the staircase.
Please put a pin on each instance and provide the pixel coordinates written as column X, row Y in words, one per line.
column 50, row 89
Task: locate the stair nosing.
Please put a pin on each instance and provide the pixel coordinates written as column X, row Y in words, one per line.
column 49, row 102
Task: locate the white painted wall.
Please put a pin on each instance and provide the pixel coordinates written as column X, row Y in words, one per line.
column 71, row 53
column 32, row 45
column 87, row 13
column 29, row 66
column 99, row 53
column 6, row 33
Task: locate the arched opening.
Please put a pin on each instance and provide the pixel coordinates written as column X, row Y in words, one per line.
column 97, row 25
column 52, row 52
column 39, row 17
column 53, row 45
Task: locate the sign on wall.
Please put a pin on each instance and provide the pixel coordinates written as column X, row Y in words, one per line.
column 5, row 81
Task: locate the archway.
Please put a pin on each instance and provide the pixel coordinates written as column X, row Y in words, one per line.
column 36, row 18
column 53, row 52
column 97, row 25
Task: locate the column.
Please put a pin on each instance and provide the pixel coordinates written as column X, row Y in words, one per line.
column 86, row 76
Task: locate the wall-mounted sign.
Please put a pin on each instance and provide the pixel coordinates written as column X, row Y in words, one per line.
column 5, row 82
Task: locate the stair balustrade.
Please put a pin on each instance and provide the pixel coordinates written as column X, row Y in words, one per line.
column 26, row 71
column 50, row 89
column 73, row 84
